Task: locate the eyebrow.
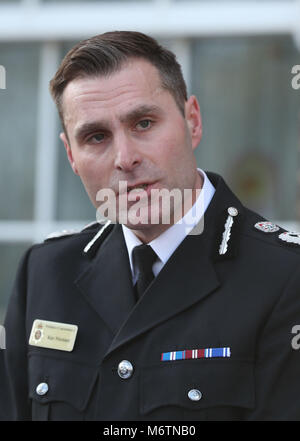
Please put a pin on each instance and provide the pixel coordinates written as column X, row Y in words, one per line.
column 139, row 112
column 104, row 125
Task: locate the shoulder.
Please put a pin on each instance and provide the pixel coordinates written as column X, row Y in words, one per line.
column 269, row 244
column 67, row 242
column 270, row 233
column 87, row 229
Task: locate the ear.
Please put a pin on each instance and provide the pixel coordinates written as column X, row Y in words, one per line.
column 64, row 139
column 194, row 120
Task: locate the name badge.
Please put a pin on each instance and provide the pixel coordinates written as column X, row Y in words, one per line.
column 53, row 335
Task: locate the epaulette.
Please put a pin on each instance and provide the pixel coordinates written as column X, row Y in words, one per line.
column 91, row 248
column 64, row 233
column 91, row 225
column 290, row 238
column 59, row 234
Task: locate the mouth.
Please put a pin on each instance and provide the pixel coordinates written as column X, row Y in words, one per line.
column 142, row 186
column 136, row 188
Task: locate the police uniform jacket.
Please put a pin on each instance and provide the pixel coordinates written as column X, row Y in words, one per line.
column 247, row 300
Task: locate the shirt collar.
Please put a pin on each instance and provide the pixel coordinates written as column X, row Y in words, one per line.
column 165, row 244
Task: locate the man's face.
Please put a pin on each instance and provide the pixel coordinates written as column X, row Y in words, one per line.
column 127, row 127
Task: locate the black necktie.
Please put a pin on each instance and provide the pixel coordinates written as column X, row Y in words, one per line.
column 143, row 259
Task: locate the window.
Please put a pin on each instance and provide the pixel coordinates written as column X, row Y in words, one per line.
column 250, row 118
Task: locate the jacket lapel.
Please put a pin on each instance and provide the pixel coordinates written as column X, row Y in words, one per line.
column 107, row 283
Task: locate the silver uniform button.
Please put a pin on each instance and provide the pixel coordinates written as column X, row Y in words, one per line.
column 125, row 369
column 42, row 389
column 194, row 395
column 232, row 211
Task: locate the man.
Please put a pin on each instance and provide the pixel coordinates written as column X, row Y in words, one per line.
column 150, row 320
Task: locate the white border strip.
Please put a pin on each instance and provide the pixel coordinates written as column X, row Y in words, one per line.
column 63, row 21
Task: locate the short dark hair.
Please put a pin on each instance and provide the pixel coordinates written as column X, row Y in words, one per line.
column 107, row 53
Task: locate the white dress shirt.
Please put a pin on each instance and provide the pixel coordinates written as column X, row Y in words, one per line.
column 165, row 244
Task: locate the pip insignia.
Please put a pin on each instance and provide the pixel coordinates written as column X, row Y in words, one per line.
column 232, row 212
column 290, row 237
column 266, row 227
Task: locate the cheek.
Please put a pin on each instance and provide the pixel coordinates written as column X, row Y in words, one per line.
column 176, row 158
column 85, row 162
column 91, row 171
column 173, row 149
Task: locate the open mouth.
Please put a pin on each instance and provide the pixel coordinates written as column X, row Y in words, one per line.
column 140, row 187
column 137, row 187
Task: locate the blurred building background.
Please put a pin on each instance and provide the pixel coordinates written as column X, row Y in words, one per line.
column 237, row 58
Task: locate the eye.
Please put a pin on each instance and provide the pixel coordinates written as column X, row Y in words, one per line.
column 97, row 138
column 144, row 124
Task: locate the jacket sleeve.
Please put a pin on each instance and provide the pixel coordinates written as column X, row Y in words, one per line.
column 14, row 401
column 278, row 359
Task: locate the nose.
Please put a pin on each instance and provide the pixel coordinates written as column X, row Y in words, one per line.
column 127, row 155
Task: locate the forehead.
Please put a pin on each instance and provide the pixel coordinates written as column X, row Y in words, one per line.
column 138, row 82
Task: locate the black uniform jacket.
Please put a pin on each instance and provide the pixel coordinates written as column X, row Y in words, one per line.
column 247, row 300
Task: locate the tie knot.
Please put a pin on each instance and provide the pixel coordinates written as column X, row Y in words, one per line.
column 144, row 257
